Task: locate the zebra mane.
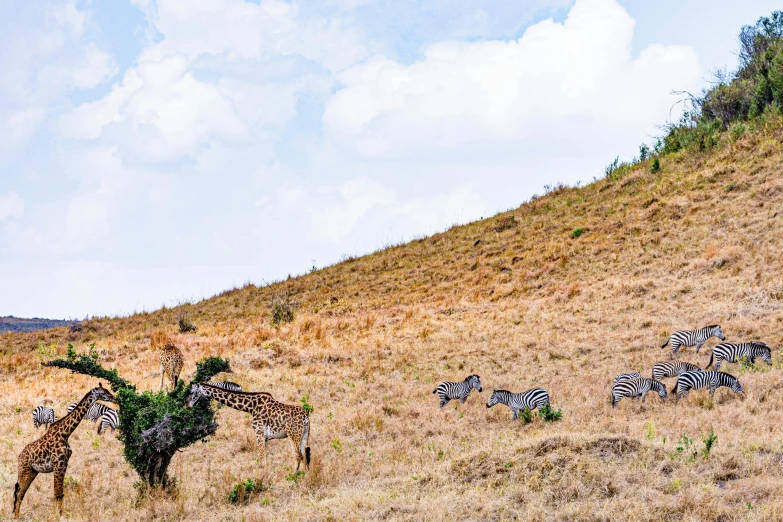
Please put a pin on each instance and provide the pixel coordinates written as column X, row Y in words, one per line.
column 760, row 344
column 501, row 391
column 469, row 377
column 714, row 326
column 727, row 376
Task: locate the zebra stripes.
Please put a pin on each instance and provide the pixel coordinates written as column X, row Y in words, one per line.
column 695, row 338
column 43, row 415
column 663, row 369
column 530, row 399
column 713, row 380
column 95, row 412
column 226, row 385
column 732, row 353
column 109, row 419
column 627, row 377
column 636, row 388
column 457, row 390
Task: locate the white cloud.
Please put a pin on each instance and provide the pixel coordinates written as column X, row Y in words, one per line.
column 11, row 206
column 21, row 124
column 356, row 197
column 464, row 94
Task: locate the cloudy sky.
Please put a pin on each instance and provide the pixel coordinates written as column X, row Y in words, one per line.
column 153, row 152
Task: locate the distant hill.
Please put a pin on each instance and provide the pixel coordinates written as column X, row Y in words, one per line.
column 18, row 324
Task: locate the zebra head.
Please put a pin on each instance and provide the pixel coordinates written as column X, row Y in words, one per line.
column 99, row 393
column 765, row 353
column 736, row 387
column 196, row 394
column 474, row 381
column 661, row 389
column 495, row 399
column 717, row 332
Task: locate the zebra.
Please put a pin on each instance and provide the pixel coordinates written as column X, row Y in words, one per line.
column 636, row 388
column 730, row 352
column 109, row 419
column 530, row 399
column 226, row 385
column 43, row 415
column 713, row 380
column 664, row 369
column 95, row 412
column 457, row 390
column 695, row 338
column 627, row 377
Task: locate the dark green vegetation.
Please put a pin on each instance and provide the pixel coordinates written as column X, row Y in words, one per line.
column 153, row 426
column 18, row 324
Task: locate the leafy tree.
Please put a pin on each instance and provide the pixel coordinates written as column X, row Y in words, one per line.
column 153, row 425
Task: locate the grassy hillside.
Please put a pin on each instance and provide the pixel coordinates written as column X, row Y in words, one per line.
column 517, row 299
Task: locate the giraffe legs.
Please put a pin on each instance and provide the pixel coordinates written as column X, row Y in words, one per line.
column 296, row 441
column 161, row 376
column 59, row 477
column 25, row 479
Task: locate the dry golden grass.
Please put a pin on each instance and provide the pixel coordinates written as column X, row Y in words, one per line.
column 519, row 302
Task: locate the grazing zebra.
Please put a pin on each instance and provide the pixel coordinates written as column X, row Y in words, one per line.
column 636, row 388
column 695, row 338
column 95, row 412
column 627, row 377
column 713, row 380
column 530, row 399
column 730, row 352
column 43, row 415
column 109, row 419
column 457, row 390
column 226, row 385
column 664, row 369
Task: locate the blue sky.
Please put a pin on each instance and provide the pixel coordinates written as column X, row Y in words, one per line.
column 153, row 152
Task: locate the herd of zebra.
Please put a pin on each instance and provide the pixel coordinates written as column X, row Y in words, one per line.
column 634, row 384
column 105, row 416
column 690, row 376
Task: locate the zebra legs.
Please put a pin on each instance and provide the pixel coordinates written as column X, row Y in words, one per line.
column 698, row 347
column 444, row 402
column 516, row 414
column 462, row 400
column 675, row 349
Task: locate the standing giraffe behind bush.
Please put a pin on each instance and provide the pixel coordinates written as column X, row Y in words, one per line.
column 51, row 452
column 271, row 419
column 171, row 362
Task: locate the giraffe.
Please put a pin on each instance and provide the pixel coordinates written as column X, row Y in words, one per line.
column 271, row 419
column 51, row 452
column 170, row 363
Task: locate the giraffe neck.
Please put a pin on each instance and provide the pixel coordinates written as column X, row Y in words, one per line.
column 65, row 426
column 239, row 401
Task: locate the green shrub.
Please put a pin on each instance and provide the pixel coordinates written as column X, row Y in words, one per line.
column 577, row 232
column 242, row 491
column 709, row 441
column 308, row 408
column 549, row 414
column 185, row 325
column 282, row 309
column 656, row 166
column 526, row 415
column 153, row 426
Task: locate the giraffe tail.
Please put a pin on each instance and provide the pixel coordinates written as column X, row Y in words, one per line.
column 16, row 493
column 307, row 456
column 304, row 450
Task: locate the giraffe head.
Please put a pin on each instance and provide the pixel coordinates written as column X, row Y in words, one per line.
column 196, row 394
column 99, row 393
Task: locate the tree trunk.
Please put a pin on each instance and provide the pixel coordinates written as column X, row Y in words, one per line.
column 155, row 471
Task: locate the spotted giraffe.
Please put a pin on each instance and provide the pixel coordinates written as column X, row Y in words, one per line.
column 51, row 452
column 271, row 419
column 170, row 363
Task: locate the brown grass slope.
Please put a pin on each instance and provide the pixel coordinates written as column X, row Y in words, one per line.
column 514, row 298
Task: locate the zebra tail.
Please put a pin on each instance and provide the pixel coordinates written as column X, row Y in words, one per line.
column 712, row 355
column 664, row 344
column 435, row 390
column 676, row 384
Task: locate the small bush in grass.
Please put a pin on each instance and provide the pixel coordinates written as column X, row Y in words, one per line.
column 577, row 232
column 549, row 414
column 242, row 491
column 656, row 166
column 282, row 309
column 306, row 406
column 526, row 416
column 185, row 325
column 294, row 477
column 709, row 441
